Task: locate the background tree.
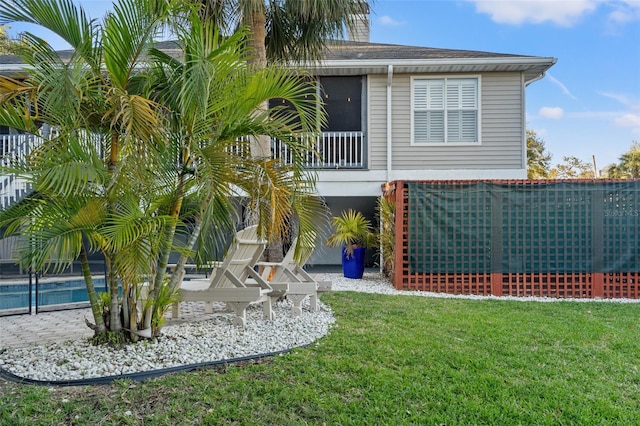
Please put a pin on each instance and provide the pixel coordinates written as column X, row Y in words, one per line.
column 628, row 166
column 538, row 159
column 572, row 168
column 7, row 45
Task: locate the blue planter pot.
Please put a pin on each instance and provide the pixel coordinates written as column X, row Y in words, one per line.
column 353, row 266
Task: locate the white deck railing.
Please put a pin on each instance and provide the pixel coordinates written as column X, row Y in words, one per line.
column 14, row 148
column 330, row 150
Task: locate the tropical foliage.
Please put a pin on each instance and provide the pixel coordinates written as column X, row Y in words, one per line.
column 628, row 166
column 386, row 210
column 351, row 229
column 147, row 146
column 538, row 159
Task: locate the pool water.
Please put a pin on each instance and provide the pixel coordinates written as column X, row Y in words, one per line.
column 65, row 291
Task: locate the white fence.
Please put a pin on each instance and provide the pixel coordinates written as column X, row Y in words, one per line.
column 330, row 150
column 14, row 148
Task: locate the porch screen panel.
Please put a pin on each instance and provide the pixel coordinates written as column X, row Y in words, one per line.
column 342, row 97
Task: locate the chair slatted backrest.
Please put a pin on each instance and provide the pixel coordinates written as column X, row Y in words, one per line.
column 289, row 263
column 245, row 251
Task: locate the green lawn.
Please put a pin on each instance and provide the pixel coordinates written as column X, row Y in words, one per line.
column 394, row 360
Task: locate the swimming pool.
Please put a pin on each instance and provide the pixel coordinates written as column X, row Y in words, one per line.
column 50, row 292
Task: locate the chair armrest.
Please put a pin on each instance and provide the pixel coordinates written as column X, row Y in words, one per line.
column 268, row 264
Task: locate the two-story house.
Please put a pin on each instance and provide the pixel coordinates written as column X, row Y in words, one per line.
column 404, row 112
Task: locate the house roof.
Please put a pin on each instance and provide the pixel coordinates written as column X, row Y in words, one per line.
column 353, row 58
column 358, row 58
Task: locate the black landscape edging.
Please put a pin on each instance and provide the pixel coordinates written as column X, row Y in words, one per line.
column 139, row 376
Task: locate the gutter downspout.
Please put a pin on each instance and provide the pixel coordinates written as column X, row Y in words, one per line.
column 389, row 127
column 525, row 160
column 389, row 150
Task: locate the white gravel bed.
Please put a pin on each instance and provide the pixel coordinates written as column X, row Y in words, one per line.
column 188, row 343
column 378, row 283
column 211, row 340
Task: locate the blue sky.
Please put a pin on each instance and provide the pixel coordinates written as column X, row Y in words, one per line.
column 589, row 102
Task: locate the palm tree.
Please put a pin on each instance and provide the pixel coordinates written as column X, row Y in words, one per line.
column 146, row 144
column 88, row 93
column 214, row 97
column 284, row 30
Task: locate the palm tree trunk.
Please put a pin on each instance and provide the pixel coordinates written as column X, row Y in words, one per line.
column 91, row 292
column 169, row 234
column 114, row 308
column 258, row 33
column 178, row 272
column 166, row 243
column 260, row 145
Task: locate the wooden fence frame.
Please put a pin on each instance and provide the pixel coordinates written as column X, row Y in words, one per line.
column 554, row 285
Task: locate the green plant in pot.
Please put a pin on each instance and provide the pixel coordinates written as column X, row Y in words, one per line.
column 352, row 231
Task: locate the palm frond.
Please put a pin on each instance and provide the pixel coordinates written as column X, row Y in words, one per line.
column 62, row 17
column 300, row 30
column 128, row 35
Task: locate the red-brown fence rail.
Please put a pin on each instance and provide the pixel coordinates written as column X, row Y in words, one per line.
column 548, row 238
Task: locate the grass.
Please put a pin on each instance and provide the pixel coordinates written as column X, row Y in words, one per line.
column 393, row 360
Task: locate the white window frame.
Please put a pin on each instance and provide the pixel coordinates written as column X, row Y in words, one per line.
column 444, row 109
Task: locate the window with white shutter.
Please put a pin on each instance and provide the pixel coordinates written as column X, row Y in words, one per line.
column 445, row 110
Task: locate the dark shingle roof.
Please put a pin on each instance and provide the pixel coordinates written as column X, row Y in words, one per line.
column 348, row 57
column 350, row 50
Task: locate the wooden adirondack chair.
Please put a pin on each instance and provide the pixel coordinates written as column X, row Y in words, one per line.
column 234, row 281
column 300, row 283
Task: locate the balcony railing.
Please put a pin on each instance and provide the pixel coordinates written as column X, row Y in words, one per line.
column 13, row 148
column 330, row 150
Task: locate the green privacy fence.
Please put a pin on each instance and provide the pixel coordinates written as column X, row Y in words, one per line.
column 478, row 227
column 484, row 231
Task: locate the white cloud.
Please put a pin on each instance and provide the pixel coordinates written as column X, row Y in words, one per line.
column 624, row 11
column 554, row 113
column 633, row 104
column 562, row 86
column 564, row 13
column 628, row 120
column 388, row 21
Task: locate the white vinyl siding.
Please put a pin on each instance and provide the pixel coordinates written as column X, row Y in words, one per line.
column 445, row 110
column 500, row 125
